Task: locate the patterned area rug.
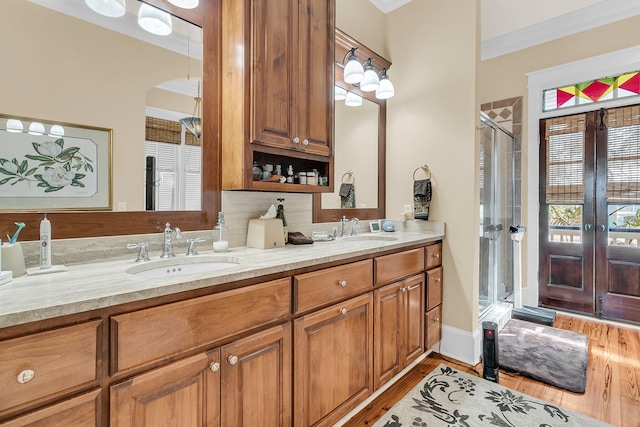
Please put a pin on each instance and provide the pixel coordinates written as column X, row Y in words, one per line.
column 447, row 397
column 553, row 356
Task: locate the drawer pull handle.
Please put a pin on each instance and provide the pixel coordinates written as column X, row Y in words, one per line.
column 436, row 320
column 215, row 366
column 26, row 376
column 436, row 255
column 342, row 283
column 403, row 289
column 410, row 288
column 438, row 280
column 343, row 311
column 232, row 360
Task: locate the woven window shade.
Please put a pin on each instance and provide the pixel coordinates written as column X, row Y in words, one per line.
column 161, row 130
column 191, row 139
column 565, row 160
column 623, row 155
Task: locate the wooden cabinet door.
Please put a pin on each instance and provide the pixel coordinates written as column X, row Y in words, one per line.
column 333, row 361
column 185, row 393
column 413, row 345
column 388, row 307
column 81, row 411
column 256, row 380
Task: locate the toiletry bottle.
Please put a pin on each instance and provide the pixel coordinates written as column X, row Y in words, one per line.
column 257, row 172
column 280, row 215
column 45, row 243
column 290, row 175
column 220, row 235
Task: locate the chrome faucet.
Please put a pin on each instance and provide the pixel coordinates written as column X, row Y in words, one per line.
column 343, row 228
column 167, row 249
column 354, row 227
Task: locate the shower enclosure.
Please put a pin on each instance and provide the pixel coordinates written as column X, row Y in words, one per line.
column 497, row 196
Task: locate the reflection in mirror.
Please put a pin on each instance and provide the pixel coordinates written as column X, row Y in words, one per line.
column 356, row 140
column 70, row 64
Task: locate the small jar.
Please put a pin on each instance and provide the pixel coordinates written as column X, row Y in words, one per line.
column 311, row 178
column 303, row 178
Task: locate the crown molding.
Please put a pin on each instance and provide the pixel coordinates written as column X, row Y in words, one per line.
column 599, row 14
column 387, row 6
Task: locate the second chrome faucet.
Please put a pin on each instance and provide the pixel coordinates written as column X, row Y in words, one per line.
column 167, row 248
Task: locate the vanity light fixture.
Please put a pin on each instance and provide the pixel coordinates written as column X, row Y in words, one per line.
column 36, row 128
column 194, row 123
column 353, row 100
column 370, row 82
column 110, row 8
column 185, row 4
column 14, row 126
column 154, row 20
column 385, row 90
column 56, row 131
column 353, row 71
column 340, row 94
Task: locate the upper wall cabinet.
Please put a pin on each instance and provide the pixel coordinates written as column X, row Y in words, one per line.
column 277, row 91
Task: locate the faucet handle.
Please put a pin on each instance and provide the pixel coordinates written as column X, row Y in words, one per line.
column 191, row 249
column 142, row 251
column 354, row 227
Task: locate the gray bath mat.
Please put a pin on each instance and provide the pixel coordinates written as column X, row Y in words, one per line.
column 553, row 356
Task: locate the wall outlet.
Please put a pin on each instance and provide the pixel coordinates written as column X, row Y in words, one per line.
column 122, row 206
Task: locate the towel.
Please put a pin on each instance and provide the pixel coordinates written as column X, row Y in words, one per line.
column 297, row 238
column 347, row 196
column 421, row 198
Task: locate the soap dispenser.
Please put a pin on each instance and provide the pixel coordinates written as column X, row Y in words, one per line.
column 220, row 235
column 280, row 214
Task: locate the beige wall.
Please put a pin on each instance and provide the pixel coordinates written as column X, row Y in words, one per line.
column 45, row 80
column 364, row 22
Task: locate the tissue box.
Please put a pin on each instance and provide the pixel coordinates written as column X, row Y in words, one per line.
column 265, row 233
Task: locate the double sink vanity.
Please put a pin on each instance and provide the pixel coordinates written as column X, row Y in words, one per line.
column 298, row 335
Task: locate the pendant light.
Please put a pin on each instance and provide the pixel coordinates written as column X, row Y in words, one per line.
column 353, row 100
column 36, row 128
column 110, row 8
column 185, row 4
column 340, row 94
column 154, row 20
column 14, row 126
column 192, row 123
column 56, row 131
column 353, row 71
column 385, row 91
column 370, row 82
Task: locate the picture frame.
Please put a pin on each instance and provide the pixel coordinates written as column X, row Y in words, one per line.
column 374, row 226
column 54, row 166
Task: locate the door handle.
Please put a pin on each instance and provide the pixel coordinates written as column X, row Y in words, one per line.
column 588, row 227
column 602, row 227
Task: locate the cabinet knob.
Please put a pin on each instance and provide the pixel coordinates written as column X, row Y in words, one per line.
column 438, row 280
column 232, row 360
column 436, row 255
column 342, row 283
column 343, row 311
column 296, row 140
column 436, row 320
column 305, row 142
column 215, row 366
column 26, row 376
column 403, row 289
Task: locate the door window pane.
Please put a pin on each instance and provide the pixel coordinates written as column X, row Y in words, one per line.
column 624, row 225
column 565, row 223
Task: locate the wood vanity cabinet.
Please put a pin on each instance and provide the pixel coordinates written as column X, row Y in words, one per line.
column 333, row 361
column 433, row 315
column 244, row 383
column 277, row 89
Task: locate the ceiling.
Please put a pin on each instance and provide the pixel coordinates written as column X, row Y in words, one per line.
column 511, row 25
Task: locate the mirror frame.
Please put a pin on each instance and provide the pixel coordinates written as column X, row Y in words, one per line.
column 343, row 43
column 75, row 224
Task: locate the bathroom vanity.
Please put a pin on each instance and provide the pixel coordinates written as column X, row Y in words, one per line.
column 290, row 336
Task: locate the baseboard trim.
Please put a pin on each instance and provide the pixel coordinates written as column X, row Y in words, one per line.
column 461, row 345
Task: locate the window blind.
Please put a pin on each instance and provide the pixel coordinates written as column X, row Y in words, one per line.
column 565, row 159
column 623, row 155
column 161, row 130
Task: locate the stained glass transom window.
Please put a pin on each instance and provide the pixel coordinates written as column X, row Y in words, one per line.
column 606, row 88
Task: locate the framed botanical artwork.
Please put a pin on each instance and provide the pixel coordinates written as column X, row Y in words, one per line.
column 54, row 166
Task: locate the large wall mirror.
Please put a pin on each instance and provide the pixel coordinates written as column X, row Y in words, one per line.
column 66, row 64
column 359, row 147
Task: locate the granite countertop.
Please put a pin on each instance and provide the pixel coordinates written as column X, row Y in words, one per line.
column 85, row 287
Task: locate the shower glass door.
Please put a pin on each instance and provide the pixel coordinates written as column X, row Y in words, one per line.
column 496, row 214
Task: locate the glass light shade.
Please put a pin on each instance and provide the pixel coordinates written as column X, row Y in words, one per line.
column 340, row 94
column 56, row 131
column 353, row 71
column 353, row 100
column 36, row 128
column 371, row 81
column 193, row 125
column 185, row 4
column 154, row 20
column 385, row 91
column 110, row 8
column 14, row 126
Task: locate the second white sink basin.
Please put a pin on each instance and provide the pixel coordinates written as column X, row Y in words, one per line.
column 179, row 267
column 370, row 237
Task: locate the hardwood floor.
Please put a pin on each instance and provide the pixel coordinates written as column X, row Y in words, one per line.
column 612, row 393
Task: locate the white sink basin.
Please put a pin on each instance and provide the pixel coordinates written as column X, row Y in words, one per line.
column 370, row 238
column 179, row 267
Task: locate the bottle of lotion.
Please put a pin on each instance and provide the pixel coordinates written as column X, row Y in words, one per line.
column 45, row 243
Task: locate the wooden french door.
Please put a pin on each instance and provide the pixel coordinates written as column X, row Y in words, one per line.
column 590, row 213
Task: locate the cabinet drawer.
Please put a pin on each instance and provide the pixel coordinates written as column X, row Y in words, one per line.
column 433, row 327
column 332, row 284
column 57, row 361
column 434, row 255
column 156, row 333
column 434, row 287
column 402, row 264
